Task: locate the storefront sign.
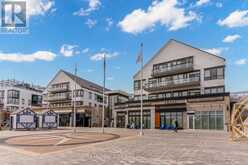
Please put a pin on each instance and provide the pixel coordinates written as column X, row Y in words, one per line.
column 26, row 119
column 50, row 119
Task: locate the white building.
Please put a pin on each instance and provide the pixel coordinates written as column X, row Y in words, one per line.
column 181, row 83
column 114, row 97
column 59, row 97
column 17, row 95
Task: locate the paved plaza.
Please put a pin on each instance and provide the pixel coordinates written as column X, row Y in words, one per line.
column 120, row 147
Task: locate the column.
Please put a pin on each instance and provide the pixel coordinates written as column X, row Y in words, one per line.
column 115, row 119
column 126, row 117
column 58, row 120
column 153, row 118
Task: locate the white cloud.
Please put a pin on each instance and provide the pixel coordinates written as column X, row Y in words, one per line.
column 93, row 5
column 69, row 50
column 100, row 56
column 19, row 57
column 242, row 61
column 165, row 12
column 33, row 8
column 231, row 38
column 238, row 18
column 86, row 50
column 202, row 2
column 109, row 22
column 91, row 23
column 219, row 5
column 38, row 7
column 53, row 10
column 216, row 51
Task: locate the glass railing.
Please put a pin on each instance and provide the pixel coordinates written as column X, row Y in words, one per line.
column 174, row 68
column 173, row 82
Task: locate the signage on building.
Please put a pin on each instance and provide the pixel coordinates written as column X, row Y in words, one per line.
column 50, row 119
column 26, row 119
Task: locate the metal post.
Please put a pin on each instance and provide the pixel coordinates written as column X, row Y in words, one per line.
column 74, row 100
column 141, row 94
column 103, row 91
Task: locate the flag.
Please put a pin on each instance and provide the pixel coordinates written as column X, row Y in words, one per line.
column 140, row 55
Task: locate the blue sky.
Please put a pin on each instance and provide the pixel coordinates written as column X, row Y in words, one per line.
column 65, row 32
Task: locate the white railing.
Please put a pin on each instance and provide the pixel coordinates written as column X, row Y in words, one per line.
column 62, row 97
column 173, row 82
column 174, row 68
column 54, row 89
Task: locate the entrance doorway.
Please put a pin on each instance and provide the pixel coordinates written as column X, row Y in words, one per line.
column 134, row 118
column 82, row 120
column 191, row 121
column 121, row 120
column 167, row 119
column 11, row 122
column 64, row 120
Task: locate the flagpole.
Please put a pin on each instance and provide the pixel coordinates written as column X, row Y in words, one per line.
column 74, row 100
column 141, row 93
column 103, row 91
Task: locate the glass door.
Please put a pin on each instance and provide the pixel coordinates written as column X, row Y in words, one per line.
column 191, row 124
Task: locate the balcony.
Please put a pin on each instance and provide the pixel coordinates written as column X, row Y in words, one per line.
column 58, row 98
column 173, row 70
column 165, row 85
column 59, row 89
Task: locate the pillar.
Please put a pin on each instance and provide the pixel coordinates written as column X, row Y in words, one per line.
column 152, row 118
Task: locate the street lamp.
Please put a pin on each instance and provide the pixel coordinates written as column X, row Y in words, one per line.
column 103, row 91
column 74, row 100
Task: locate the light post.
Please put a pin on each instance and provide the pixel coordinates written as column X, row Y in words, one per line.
column 103, row 91
column 74, row 100
column 141, row 93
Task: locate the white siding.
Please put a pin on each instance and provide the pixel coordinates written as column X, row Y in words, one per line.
column 176, row 50
column 61, row 77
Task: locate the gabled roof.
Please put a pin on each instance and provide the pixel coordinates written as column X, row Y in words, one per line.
column 85, row 83
column 179, row 42
column 118, row 92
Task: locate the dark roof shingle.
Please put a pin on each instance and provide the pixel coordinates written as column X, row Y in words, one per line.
column 85, row 83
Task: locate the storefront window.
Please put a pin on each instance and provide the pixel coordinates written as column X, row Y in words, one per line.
column 205, row 121
column 167, row 118
column 219, row 121
column 180, row 119
column 134, row 118
column 197, row 121
column 121, row 119
column 213, row 120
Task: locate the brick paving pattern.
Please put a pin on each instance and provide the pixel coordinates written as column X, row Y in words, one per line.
column 155, row 148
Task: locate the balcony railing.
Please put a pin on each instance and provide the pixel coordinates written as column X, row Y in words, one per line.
column 172, row 70
column 164, row 85
column 58, row 98
column 59, row 89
